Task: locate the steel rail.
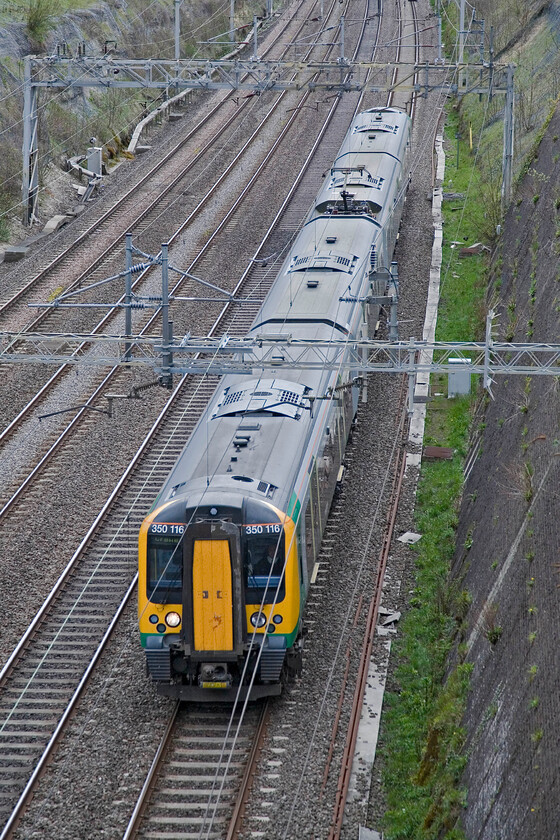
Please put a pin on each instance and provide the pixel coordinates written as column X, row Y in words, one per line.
column 246, row 782
column 86, row 539
column 151, row 777
column 369, row 634
column 42, row 762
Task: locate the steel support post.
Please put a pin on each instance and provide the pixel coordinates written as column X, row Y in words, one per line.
column 507, row 166
column 461, row 80
column 30, row 179
column 167, row 378
column 232, row 21
column 487, row 379
column 255, row 42
column 393, row 293
column 128, row 297
column 411, row 376
column 177, row 30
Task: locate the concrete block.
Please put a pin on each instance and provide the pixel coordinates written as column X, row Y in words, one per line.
column 13, row 253
column 55, row 223
column 31, row 240
column 174, row 116
column 369, row 834
column 140, row 149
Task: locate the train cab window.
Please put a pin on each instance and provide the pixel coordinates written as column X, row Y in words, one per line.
column 263, row 561
column 165, row 569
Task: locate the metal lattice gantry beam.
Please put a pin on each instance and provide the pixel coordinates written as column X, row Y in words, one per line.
column 106, row 71
column 202, row 355
column 258, row 75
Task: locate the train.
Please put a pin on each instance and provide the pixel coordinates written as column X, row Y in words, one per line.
column 228, row 552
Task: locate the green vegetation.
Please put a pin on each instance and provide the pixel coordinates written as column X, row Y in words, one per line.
column 536, row 736
column 532, row 672
column 529, row 41
column 4, row 208
column 39, row 16
column 423, row 740
column 494, row 634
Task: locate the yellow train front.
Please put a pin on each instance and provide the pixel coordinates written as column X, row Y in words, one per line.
column 219, row 597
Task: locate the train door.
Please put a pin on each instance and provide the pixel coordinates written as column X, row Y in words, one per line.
column 214, row 620
column 212, row 596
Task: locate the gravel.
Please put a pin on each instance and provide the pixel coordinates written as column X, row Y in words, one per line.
column 91, row 785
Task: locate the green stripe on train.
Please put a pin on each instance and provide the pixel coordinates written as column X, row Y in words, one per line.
column 294, row 507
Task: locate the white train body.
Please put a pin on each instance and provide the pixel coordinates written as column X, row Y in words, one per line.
column 267, row 452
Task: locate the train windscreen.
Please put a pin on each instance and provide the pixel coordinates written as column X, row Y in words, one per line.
column 165, row 568
column 263, row 562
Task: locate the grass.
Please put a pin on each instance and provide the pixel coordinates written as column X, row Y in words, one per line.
column 423, row 739
column 39, row 16
column 534, row 52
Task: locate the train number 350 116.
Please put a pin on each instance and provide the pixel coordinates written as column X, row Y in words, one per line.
column 272, row 528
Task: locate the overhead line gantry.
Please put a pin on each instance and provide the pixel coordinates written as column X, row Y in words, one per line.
column 256, row 76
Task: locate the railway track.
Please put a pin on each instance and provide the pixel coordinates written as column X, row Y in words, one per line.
column 135, row 209
column 146, row 284
column 70, row 270
column 98, row 573
column 345, row 771
column 203, row 766
column 43, row 392
column 107, row 551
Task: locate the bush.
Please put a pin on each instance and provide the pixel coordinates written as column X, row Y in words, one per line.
column 39, row 21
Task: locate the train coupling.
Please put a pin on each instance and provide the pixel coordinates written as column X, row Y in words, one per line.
column 214, row 675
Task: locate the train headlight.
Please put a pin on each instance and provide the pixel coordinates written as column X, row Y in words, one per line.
column 278, row 619
column 258, row 619
column 154, row 618
column 172, row 619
